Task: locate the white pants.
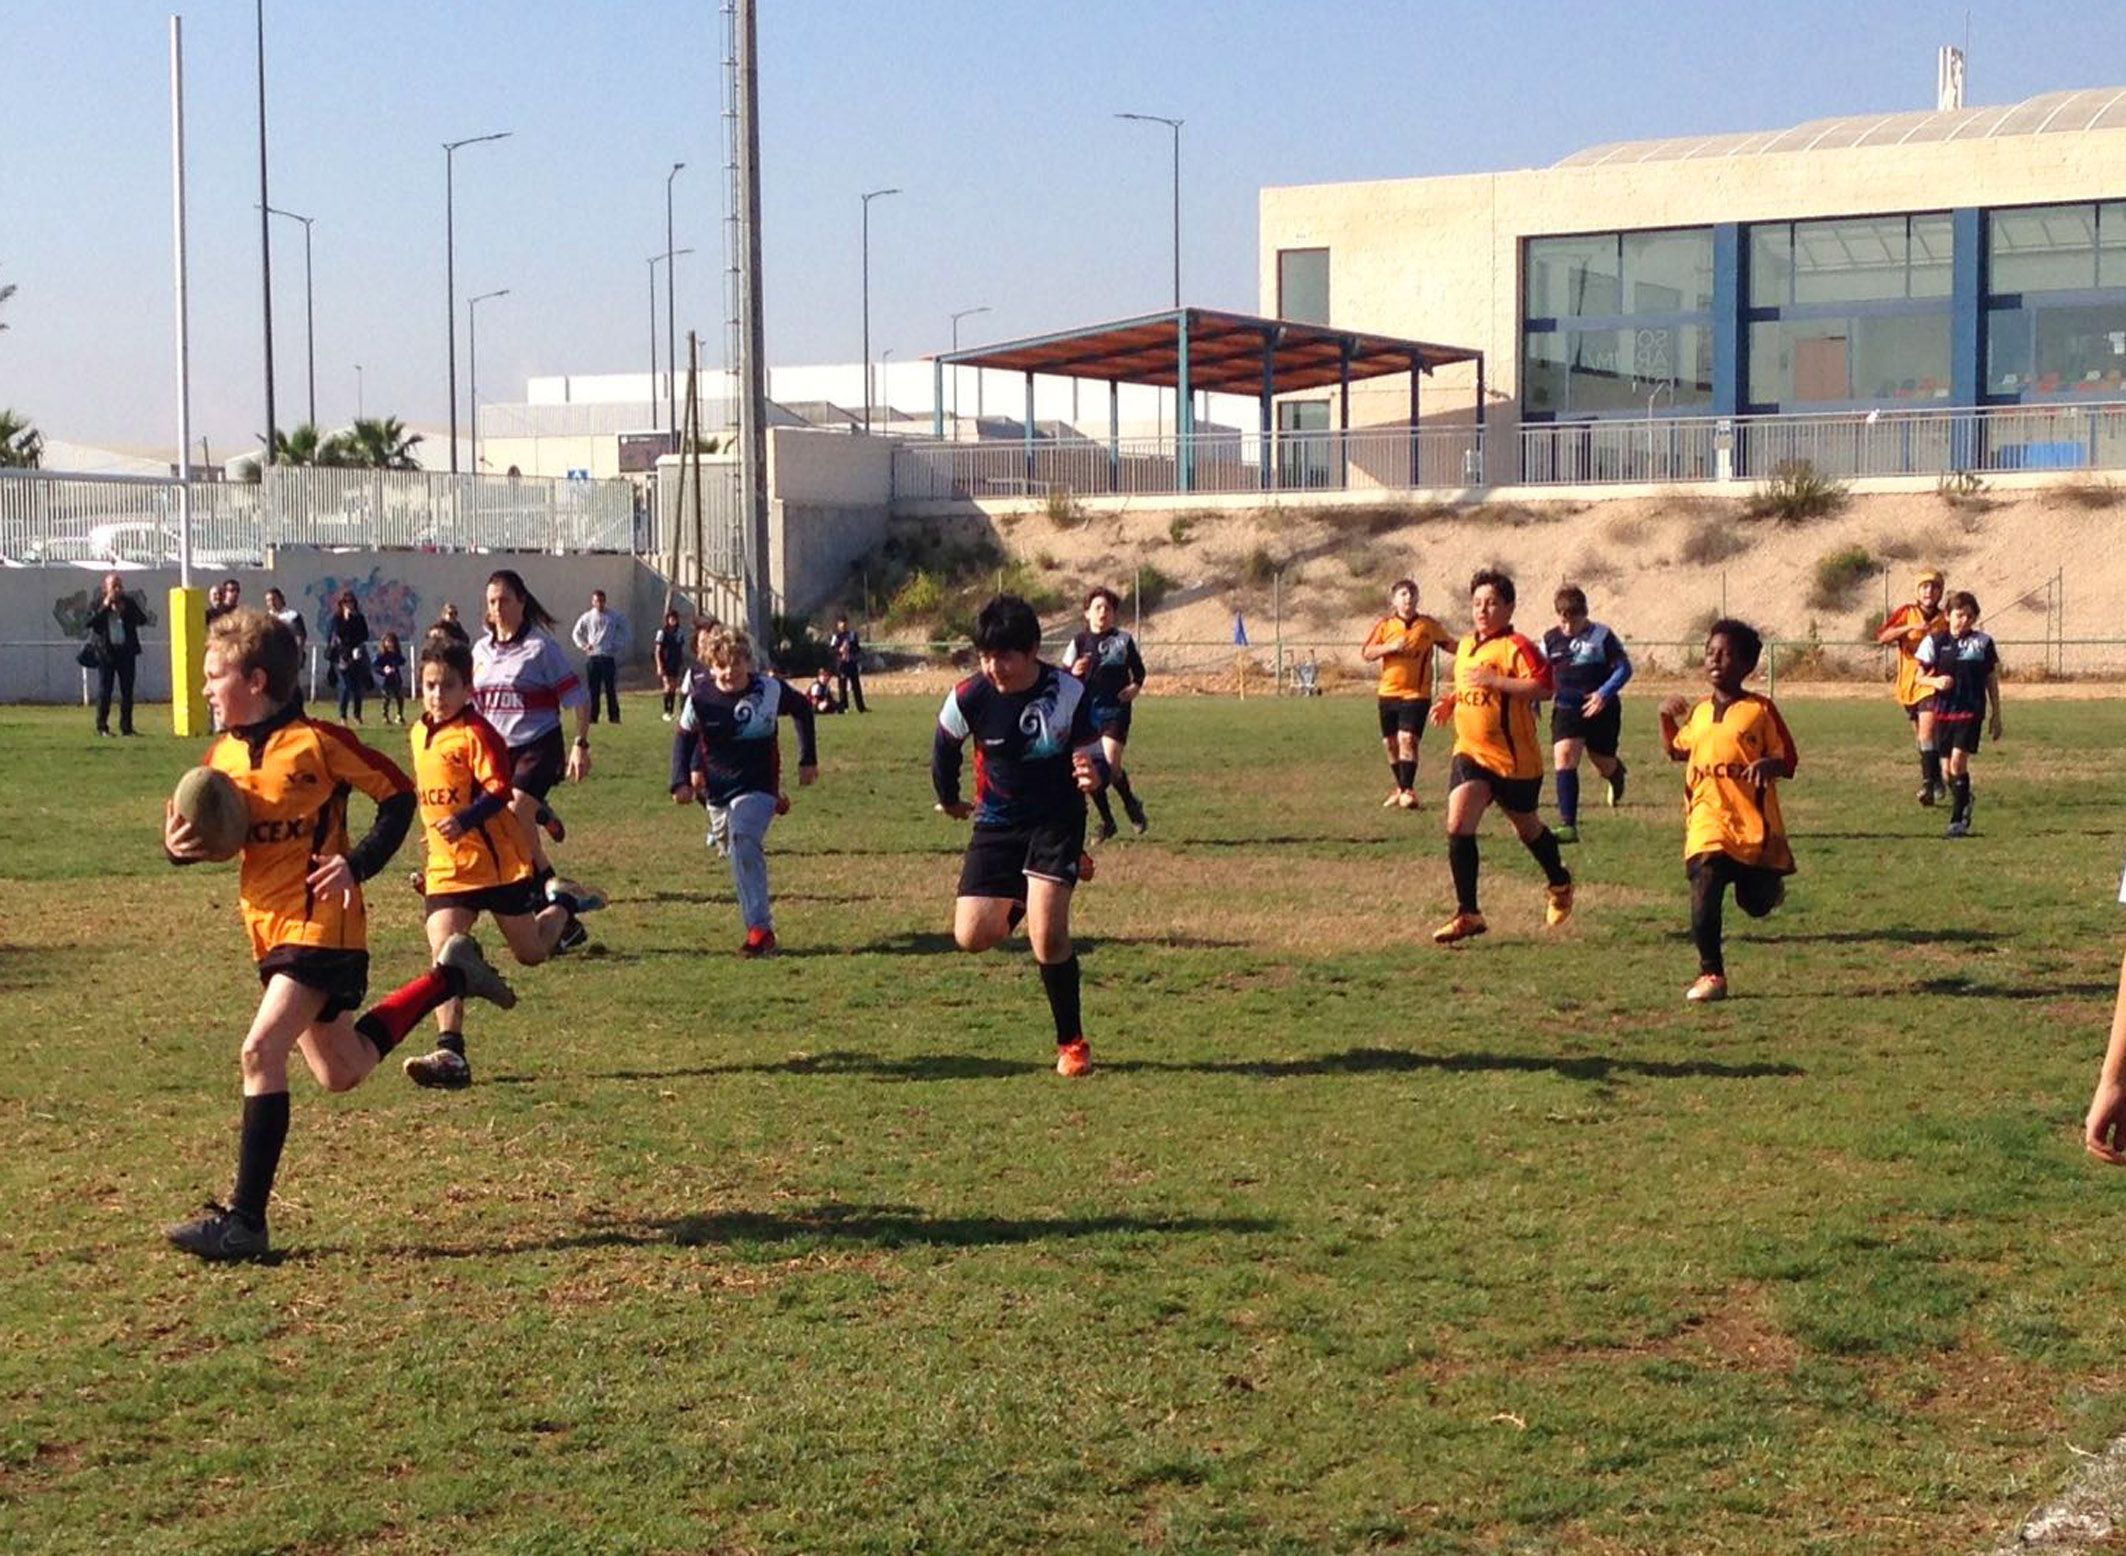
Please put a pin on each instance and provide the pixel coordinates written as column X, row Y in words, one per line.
column 739, row 832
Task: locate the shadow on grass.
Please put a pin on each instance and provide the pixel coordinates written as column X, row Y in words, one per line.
column 1275, row 840
column 1964, row 988
column 1906, row 936
column 919, row 1067
column 1365, row 1061
column 862, row 1226
column 25, row 967
column 715, row 898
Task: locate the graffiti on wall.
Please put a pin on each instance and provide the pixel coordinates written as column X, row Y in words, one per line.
column 72, row 611
column 389, row 604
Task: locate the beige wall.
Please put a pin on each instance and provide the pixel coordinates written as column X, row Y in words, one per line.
column 1438, row 259
column 553, row 457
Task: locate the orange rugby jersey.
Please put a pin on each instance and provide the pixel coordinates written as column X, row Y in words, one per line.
column 1723, row 811
column 1918, row 627
column 1406, row 674
column 1497, row 732
column 458, row 765
column 296, row 774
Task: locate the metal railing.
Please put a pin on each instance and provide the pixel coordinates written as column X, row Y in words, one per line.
column 131, row 521
column 1382, row 458
column 1991, row 439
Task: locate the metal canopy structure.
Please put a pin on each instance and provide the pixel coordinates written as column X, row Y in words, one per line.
column 1192, row 349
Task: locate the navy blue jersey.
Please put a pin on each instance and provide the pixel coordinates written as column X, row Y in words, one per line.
column 1592, row 660
column 1115, row 663
column 844, row 646
column 671, row 650
column 1023, row 744
column 730, row 737
column 1969, row 662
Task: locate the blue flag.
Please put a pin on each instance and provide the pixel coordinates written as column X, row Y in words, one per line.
column 1240, row 630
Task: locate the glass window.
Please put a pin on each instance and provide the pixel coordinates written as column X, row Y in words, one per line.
column 2111, row 244
column 1901, row 357
column 1543, row 372
column 1771, row 265
column 1879, row 358
column 2080, row 350
column 1668, row 272
column 1303, row 285
column 1850, row 261
column 2048, row 249
column 1931, row 244
column 1571, row 277
column 2008, row 350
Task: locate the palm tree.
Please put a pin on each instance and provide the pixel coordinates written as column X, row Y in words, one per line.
column 302, row 445
column 21, row 445
column 378, row 443
column 5, row 293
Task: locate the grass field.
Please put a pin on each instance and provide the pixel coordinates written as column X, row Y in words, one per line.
column 1350, row 1242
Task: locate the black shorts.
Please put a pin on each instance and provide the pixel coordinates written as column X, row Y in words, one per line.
column 999, row 859
column 1112, row 720
column 519, row 897
column 1924, row 705
column 1953, row 734
column 1519, row 795
column 537, row 765
column 342, row 976
column 1601, row 732
column 1403, row 716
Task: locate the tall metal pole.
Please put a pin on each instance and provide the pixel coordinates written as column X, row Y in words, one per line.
column 472, row 364
column 1175, row 126
column 184, row 308
column 867, row 199
column 671, row 337
column 964, row 313
column 753, row 374
column 450, row 267
column 357, row 391
column 309, row 304
column 265, row 228
column 671, row 349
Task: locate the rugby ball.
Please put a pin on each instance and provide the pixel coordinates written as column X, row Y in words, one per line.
column 209, row 799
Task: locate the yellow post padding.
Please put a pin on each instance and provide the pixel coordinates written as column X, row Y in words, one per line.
column 188, row 657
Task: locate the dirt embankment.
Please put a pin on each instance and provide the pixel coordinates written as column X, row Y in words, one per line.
column 2046, row 566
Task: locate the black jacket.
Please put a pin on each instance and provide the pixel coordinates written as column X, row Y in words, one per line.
column 108, row 632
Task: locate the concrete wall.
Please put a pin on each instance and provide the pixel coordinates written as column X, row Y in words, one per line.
column 44, row 608
column 1439, row 258
column 830, row 496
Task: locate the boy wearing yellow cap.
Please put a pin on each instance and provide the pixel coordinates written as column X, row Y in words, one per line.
column 1905, row 629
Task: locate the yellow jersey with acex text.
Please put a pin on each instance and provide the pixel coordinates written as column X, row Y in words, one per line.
column 1406, row 673
column 1494, row 731
column 1724, row 810
column 457, row 764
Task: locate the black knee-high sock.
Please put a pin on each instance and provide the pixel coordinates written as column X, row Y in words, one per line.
column 1544, row 845
column 1105, row 806
column 1405, row 774
column 1930, row 767
column 258, row 1155
column 1120, row 779
column 1462, row 860
column 1708, row 883
column 1060, row 980
column 1569, row 795
column 1960, row 791
column 668, row 699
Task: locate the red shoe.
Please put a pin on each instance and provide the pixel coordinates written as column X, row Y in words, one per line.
column 1074, row 1057
column 759, row 942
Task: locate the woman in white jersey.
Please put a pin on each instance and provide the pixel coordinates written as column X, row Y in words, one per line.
column 522, row 680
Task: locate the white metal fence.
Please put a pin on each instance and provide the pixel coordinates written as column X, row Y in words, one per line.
column 132, row 521
column 1986, row 440
column 1385, row 458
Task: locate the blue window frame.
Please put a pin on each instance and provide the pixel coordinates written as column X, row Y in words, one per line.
column 1617, row 324
column 2056, row 303
column 1848, row 313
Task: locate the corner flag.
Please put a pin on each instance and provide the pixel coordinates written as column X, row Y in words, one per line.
column 1240, row 630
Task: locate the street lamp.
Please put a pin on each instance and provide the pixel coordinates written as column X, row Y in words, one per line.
column 309, row 304
column 265, row 227
column 655, row 261
column 357, row 391
column 671, row 340
column 472, row 365
column 450, row 266
column 1175, row 126
column 964, row 313
column 867, row 198
column 885, row 378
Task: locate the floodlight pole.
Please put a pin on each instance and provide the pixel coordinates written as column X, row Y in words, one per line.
column 472, row 364
column 1175, row 126
column 265, row 228
column 752, row 359
column 867, row 198
column 964, row 313
column 671, row 336
column 309, row 305
column 450, row 267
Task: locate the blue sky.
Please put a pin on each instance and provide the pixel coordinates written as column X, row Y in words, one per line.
column 1022, row 192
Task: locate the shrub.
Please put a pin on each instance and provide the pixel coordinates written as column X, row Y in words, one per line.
column 1839, row 575
column 1061, row 506
column 1960, row 486
column 1700, row 626
column 795, row 649
column 1046, row 561
column 1180, row 527
column 1796, row 491
column 1258, row 567
column 1711, row 541
column 1625, row 531
column 2093, row 494
column 1151, row 588
column 920, row 597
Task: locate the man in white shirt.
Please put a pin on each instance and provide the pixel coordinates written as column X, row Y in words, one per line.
column 601, row 634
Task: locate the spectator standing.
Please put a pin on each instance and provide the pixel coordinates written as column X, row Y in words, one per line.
column 348, row 645
column 114, row 641
column 848, row 664
column 223, row 598
column 278, row 608
column 600, row 634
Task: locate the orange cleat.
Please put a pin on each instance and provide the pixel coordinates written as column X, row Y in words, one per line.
column 1557, row 904
column 1074, row 1057
column 1463, row 926
column 1709, row 987
column 759, row 942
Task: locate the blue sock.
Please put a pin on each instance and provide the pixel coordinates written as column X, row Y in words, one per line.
column 1569, row 796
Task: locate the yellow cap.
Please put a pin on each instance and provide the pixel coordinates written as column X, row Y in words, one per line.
column 1929, row 575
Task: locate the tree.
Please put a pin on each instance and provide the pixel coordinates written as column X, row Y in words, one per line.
column 378, row 443
column 21, row 445
column 5, row 293
column 304, row 445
